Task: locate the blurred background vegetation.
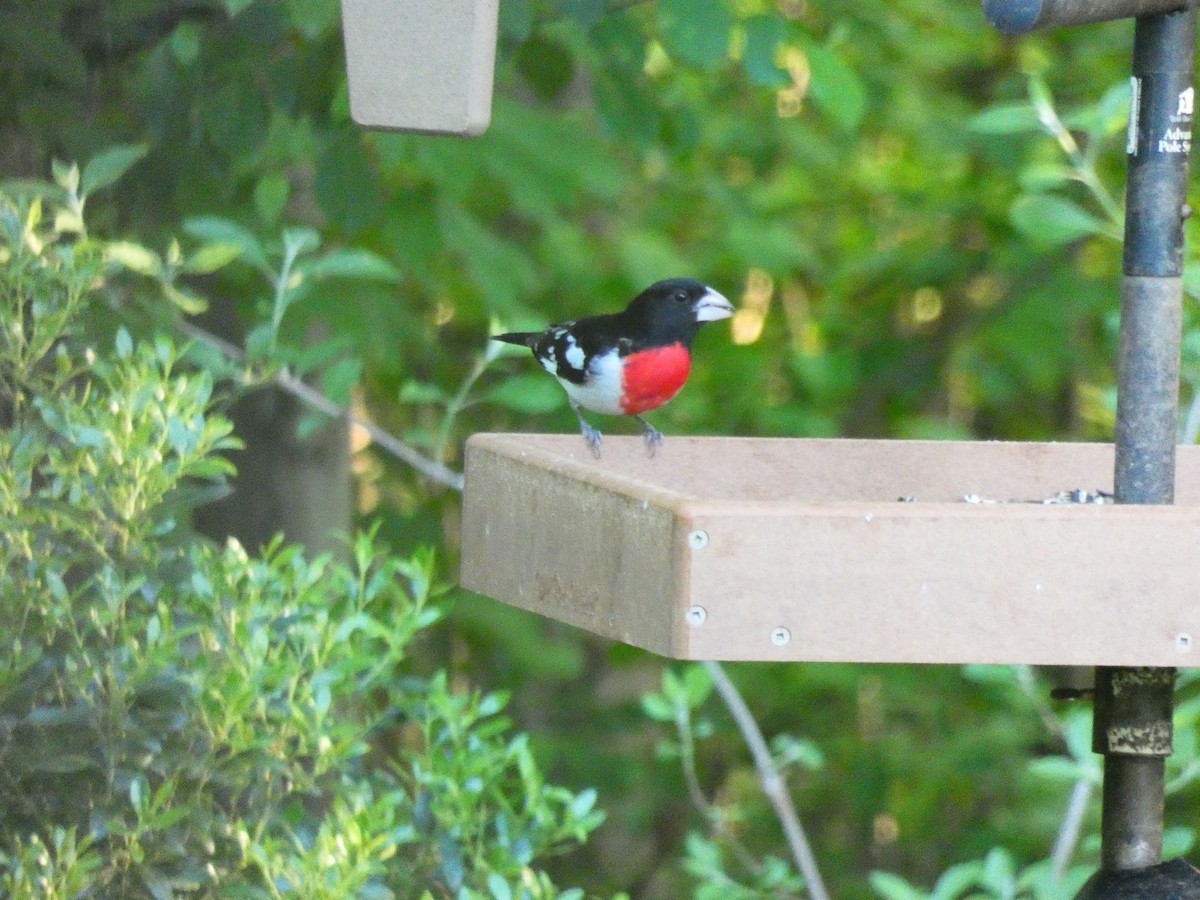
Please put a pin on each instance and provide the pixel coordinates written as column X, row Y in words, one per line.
column 917, row 218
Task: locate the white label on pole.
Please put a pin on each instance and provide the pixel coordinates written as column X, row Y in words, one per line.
column 1135, row 110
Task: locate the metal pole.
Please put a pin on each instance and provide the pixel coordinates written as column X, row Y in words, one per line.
column 1133, row 706
column 1019, row 16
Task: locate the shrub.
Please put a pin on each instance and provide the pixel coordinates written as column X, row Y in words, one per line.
column 183, row 719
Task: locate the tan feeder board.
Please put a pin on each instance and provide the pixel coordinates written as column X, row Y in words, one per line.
column 423, row 66
column 794, row 549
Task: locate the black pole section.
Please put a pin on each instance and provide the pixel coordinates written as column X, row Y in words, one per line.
column 1160, row 135
column 1133, row 706
column 1019, row 16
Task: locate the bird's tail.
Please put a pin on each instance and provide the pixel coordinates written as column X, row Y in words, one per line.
column 520, row 338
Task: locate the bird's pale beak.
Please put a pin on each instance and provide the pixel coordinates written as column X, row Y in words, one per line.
column 712, row 307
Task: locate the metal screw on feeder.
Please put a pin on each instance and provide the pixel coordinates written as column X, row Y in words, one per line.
column 1133, row 706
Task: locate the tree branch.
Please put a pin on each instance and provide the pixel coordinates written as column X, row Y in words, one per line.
column 1068, row 832
column 430, row 468
column 772, row 783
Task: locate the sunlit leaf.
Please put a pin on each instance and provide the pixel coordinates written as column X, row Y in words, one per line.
column 211, row 257
column 187, row 301
column 134, row 257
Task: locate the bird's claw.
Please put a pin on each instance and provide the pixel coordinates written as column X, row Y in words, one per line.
column 653, row 438
column 591, row 437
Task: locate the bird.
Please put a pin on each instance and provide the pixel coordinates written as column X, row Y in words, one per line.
column 630, row 362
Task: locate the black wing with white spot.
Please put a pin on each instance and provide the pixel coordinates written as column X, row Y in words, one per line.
column 560, row 353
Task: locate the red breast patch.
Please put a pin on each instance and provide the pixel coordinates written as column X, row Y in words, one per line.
column 652, row 377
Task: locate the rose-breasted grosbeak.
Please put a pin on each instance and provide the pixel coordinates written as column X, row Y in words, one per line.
column 630, row 362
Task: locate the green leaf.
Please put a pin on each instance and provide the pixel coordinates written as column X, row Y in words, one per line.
column 490, row 704
column 68, row 221
column 1191, row 279
column 957, row 879
column 124, row 343
column 1052, row 220
column 339, row 379
column 1012, row 118
column 260, row 340
column 271, row 196
column 134, row 257
column 312, row 18
column 1039, row 178
column 835, row 87
column 137, row 792
column 1107, row 116
column 1178, row 840
column 422, row 392
column 498, row 887
column 107, row 167
column 65, row 176
column 211, row 257
column 586, row 12
column 361, row 264
column 658, row 707
column 583, row 803
column 893, row 887
column 697, row 685
column 298, row 241
column 763, row 37
column 789, row 750
column 217, row 230
column 516, row 20
column 185, row 43
column 185, row 300
column 999, row 872
column 696, row 31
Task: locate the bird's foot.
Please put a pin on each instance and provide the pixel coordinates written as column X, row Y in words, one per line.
column 592, row 437
column 652, row 436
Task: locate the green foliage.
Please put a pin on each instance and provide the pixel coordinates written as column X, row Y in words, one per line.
column 706, row 861
column 915, row 216
column 995, row 877
column 718, row 861
column 180, row 718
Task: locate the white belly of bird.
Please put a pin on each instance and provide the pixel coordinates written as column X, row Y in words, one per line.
column 602, row 391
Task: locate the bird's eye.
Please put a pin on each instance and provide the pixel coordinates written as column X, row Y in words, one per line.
column 680, row 297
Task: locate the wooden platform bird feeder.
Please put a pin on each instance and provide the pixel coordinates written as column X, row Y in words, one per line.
column 838, row 550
